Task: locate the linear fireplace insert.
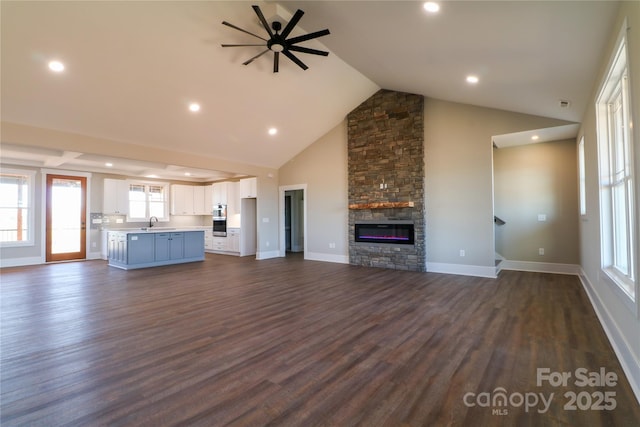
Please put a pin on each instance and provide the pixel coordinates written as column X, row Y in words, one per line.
column 398, row 233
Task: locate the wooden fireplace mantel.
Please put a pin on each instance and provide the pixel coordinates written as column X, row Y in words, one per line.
column 381, row 205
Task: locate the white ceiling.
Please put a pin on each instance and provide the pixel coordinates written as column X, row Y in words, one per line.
column 132, row 68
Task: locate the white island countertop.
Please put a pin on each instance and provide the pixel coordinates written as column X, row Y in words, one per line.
column 157, row 230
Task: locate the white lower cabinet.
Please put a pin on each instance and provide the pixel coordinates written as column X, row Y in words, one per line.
column 219, row 244
column 208, row 240
column 229, row 245
column 233, row 243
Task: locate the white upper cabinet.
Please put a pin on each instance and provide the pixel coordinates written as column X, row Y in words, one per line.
column 248, row 188
column 208, row 199
column 189, row 200
column 182, row 200
column 115, row 197
column 199, row 201
column 233, row 200
column 220, row 193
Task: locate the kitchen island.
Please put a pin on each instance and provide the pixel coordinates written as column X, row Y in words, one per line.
column 142, row 248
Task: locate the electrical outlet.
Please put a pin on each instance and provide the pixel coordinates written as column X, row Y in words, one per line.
column 332, row 245
column 462, row 252
column 268, row 244
column 542, row 217
column 540, row 251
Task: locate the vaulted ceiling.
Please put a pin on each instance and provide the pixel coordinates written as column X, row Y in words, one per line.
column 133, row 68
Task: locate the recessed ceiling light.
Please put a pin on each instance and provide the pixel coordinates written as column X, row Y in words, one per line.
column 187, row 174
column 108, row 165
column 431, row 7
column 151, row 176
column 535, row 137
column 194, row 107
column 273, row 131
column 472, row 79
column 56, row 66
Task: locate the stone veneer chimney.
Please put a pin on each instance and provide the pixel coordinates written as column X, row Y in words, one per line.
column 386, row 148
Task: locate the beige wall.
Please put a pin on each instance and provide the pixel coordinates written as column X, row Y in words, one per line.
column 620, row 317
column 459, row 181
column 537, row 179
column 323, row 168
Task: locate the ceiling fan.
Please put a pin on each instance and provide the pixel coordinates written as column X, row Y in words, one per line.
column 278, row 42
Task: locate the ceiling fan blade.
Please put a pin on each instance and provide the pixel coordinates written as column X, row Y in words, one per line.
column 292, row 57
column 276, row 61
column 240, row 45
column 309, row 36
column 307, row 50
column 265, row 24
column 249, row 61
column 240, row 29
column 294, row 20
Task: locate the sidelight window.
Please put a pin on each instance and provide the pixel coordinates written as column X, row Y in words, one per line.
column 16, row 207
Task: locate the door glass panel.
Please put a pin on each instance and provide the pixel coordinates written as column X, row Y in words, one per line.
column 66, row 220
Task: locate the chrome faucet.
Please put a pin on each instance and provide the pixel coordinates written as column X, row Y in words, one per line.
column 151, row 221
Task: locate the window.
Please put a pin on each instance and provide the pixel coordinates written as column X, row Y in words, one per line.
column 147, row 200
column 582, row 178
column 16, row 207
column 618, row 216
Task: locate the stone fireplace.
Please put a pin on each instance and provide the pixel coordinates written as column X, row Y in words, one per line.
column 386, row 181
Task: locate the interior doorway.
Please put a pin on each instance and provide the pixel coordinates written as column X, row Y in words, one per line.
column 293, row 223
column 294, row 220
column 66, row 202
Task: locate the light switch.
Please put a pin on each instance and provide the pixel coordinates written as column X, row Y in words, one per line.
column 542, row 217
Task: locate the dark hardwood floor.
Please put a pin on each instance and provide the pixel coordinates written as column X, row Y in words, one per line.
column 288, row 342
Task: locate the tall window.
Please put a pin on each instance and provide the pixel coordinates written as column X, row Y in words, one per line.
column 16, row 207
column 582, row 178
column 147, row 200
column 618, row 216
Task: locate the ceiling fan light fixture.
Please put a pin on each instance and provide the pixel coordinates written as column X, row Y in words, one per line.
column 276, row 47
column 431, row 7
column 56, row 66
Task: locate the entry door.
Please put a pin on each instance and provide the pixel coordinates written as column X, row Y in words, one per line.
column 66, row 217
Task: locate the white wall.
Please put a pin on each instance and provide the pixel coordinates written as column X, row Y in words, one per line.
column 621, row 320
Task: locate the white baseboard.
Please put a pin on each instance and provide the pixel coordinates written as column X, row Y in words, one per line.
column 317, row 256
column 621, row 347
column 540, row 267
column 94, row 255
column 462, row 269
column 267, row 254
column 19, row 262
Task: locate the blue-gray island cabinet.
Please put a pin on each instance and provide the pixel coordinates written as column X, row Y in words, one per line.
column 129, row 249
